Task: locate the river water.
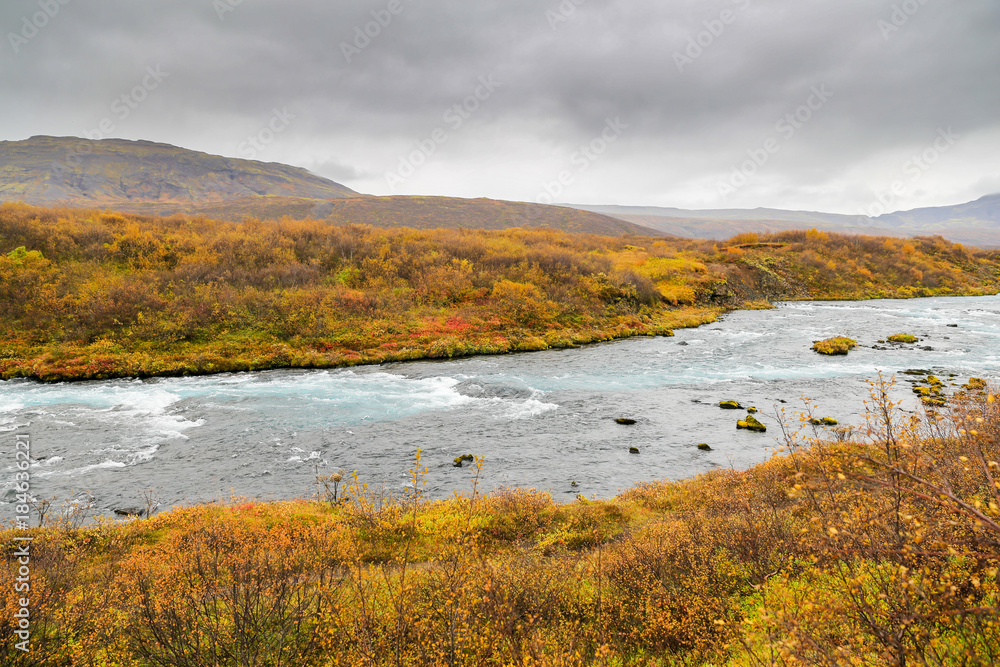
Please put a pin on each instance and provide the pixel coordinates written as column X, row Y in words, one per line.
column 543, row 420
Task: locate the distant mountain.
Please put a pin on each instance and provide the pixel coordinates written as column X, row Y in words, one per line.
column 985, row 211
column 159, row 179
column 51, row 171
column 725, row 223
column 768, row 214
column 976, row 223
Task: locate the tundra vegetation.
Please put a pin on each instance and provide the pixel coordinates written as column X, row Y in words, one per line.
column 91, row 295
column 835, row 346
column 879, row 546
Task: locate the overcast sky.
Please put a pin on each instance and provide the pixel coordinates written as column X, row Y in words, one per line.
column 810, row 104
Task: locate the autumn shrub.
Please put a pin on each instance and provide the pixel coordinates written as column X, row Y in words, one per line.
column 232, row 591
column 168, row 290
column 903, row 541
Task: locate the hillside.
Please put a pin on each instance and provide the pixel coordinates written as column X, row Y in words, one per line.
column 454, row 213
column 158, row 179
column 117, row 173
column 90, row 294
column 975, row 223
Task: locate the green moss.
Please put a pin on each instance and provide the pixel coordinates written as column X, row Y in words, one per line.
column 975, row 384
column 625, row 421
column 751, row 424
column 833, row 346
column 730, row 405
column 902, row 338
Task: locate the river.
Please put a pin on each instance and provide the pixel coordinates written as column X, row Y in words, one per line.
column 543, row 420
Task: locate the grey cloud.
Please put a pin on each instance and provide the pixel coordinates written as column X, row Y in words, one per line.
column 565, row 65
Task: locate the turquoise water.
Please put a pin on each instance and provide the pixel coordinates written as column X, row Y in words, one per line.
column 541, row 420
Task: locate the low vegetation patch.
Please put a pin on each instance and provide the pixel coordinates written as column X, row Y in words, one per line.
column 902, row 338
column 833, row 346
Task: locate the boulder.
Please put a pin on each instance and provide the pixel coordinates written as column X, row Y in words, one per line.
column 129, row 512
column 462, row 459
column 751, row 424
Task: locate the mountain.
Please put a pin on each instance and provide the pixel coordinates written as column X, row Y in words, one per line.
column 159, row 179
column 984, row 211
column 116, row 172
column 976, row 223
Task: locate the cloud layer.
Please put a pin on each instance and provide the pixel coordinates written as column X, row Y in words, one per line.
column 816, row 104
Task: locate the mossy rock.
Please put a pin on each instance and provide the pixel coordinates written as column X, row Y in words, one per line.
column 834, row 346
column 633, row 450
column 751, row 424
column 730, row 405
column 753, row 411
column 902, row 338
column 462, row 459
column 975, row 384
column 922, row 391
column 704, row 447
column 824, row 421
column 934, row 380
column 625, row 421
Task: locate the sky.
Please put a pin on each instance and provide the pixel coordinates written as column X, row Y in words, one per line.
column 845, row 106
